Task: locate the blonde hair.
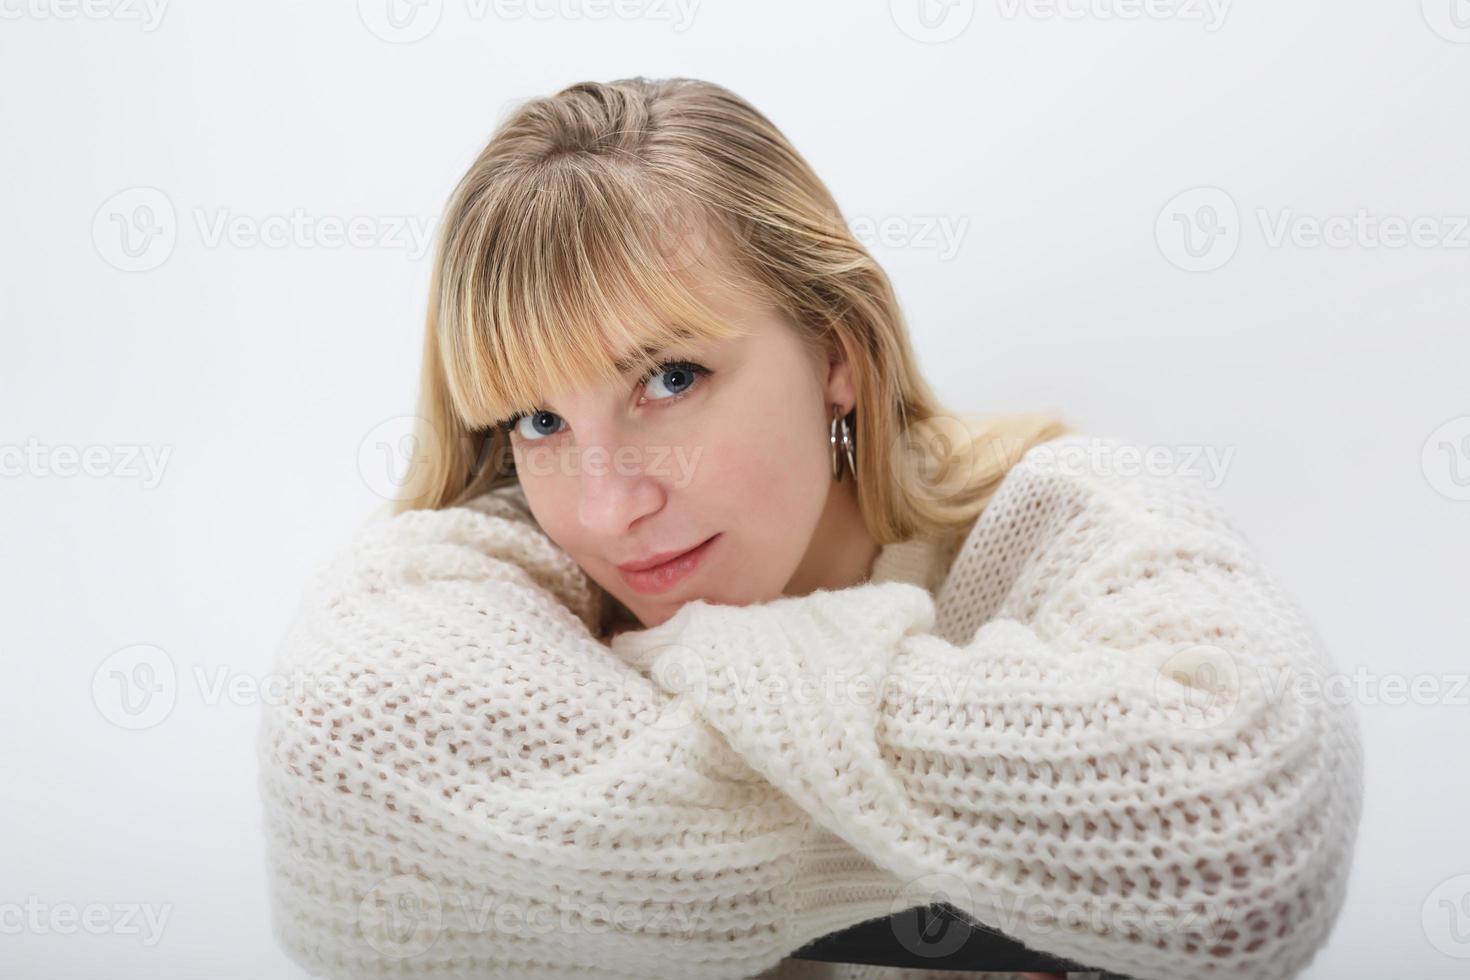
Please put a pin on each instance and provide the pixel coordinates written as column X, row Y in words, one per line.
column 561, row 250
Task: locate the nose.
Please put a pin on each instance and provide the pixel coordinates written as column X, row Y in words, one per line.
column 615, row 491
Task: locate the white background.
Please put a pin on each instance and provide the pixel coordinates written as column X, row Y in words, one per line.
column 1053, row 142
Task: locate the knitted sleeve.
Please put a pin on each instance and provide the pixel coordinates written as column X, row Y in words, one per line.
column 460, row 780
column 1120, row 754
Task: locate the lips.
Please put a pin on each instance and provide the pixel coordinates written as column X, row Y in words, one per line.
column 644, row 564
column 660, row 573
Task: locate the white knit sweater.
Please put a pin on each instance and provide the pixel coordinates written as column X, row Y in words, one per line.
column 1087, row 737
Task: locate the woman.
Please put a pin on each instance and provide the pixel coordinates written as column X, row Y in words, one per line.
column 702, row 631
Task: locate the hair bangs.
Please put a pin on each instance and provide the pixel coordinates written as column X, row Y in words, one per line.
column 583, row 282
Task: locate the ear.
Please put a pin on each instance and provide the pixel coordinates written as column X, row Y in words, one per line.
column 840, row 387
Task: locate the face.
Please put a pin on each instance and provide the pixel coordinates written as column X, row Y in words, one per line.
column 725, row 447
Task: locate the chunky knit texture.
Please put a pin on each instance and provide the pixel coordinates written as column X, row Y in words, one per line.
column 1088, row 737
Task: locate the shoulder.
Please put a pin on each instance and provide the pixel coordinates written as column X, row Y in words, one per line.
column 490, row 538
column 1081, row 507
column 1124, row 478
column 497, row 522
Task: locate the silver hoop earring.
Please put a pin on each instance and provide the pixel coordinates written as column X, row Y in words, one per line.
column 843, row 445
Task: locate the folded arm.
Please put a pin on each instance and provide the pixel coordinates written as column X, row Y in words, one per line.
column 1113, row 767
column 463, row 781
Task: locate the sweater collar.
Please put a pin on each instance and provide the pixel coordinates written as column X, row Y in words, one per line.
column 918, row 561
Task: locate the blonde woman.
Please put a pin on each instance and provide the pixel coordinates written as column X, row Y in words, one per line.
column 703, row 631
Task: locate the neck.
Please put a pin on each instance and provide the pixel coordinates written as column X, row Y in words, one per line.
column 842, row 552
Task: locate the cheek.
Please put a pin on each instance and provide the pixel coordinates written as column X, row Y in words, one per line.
column 553, row 504
column 768, row 476
column 766, row 485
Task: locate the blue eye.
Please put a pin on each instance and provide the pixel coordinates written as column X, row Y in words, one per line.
column 542, row 417
column 686, row 370
column 677, row 377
